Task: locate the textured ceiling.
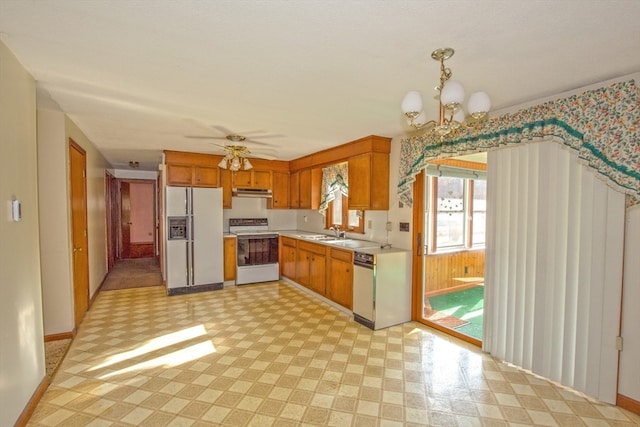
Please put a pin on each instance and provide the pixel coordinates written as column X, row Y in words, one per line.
column 139, row 76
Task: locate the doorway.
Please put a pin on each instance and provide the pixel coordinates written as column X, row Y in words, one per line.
column 449, row 229
column 78, row 195
column 138, row 235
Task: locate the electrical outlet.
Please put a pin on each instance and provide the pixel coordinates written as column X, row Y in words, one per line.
column 389, row 226
column 369, row 224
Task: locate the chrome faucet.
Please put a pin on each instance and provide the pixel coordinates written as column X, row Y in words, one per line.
column 339, row 234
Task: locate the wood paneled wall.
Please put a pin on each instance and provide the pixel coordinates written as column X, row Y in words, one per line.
column 441, row 270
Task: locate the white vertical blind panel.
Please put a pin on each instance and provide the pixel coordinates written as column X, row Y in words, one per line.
column 612, row 295
column 554, row 267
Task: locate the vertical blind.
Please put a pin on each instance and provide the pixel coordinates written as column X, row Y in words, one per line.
column 555, row 236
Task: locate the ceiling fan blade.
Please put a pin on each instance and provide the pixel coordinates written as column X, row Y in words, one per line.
column 223, row 130
column 203, row 137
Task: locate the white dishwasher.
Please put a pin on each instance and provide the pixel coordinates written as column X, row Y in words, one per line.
column 381, row 287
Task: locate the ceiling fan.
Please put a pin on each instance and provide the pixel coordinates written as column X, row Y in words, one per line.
column 236, row 154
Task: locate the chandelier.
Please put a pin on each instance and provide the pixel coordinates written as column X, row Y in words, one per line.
column 452, row 116
column 236, row 158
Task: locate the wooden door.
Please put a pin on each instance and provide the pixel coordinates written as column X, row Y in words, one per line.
column 125, row 220
column 112, row 219
column 78, row 185
column 230, row 244
column 317, row 273
column 340, row 277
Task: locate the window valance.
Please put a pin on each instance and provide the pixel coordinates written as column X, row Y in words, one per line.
column 602, row 125
column 333, row 177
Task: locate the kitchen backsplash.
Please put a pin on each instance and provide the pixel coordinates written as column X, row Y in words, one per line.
column 302, row 219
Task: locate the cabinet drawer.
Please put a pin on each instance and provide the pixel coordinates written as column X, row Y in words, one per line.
column 312, row 247
column 288, row 241
column 341, row 254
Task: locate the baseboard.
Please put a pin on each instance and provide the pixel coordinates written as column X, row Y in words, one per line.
column 60, row 336
column 24, row 417
column 628, row 403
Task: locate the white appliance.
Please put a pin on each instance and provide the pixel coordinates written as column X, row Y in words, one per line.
column 194, row 249
column 256, row 250
column 381, row 287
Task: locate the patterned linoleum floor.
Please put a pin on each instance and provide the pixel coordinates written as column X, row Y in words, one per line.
column 269, row 354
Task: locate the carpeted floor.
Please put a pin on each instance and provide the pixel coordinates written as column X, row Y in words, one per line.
column 133, row 273
column 54, row 351
column 466, row 306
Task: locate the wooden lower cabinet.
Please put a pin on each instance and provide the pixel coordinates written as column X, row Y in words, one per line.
column 311, row 261
column 230, row 258
column 288, row 249
column 325, row 270
column 339, row 287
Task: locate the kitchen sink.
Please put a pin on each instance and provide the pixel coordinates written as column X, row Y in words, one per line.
column 322, row 237
column 350, row 243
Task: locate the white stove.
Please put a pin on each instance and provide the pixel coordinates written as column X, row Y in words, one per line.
column 257, row 250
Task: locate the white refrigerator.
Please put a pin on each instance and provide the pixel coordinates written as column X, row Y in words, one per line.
column 194, row 248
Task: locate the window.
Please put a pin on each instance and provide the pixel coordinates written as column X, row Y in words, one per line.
column 338, row 214
column 457, row 213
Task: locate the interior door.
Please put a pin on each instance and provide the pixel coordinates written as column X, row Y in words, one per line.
column 78, row 167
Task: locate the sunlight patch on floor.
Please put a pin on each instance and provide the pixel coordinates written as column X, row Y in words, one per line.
column 153, row 345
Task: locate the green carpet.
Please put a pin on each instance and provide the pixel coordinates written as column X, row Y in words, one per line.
column 466, row 305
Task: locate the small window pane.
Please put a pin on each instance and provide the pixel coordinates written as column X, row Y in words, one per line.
column 336, row 211
column 450, row 212
column 354, row 218
column 479, row 212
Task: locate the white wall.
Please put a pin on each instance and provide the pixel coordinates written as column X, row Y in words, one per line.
column 247, row 207
column 55, row 242
column 54, row 131
column 96, row 205
column 21, row 332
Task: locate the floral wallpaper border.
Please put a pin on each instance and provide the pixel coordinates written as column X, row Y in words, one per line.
column 602, row 125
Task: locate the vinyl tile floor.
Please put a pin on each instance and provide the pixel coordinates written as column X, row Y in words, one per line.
column 272, row 355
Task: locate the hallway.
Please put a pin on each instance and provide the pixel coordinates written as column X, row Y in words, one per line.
column 269, row 354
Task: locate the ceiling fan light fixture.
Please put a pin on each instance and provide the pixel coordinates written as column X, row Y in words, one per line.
column 247, row 164
column 223, row 163
column 235, row 164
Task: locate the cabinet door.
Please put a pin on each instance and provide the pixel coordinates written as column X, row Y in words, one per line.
column 303, row 259
column 317, row 273
column 179, row 174
column 288, row 261
column 206, row 176
column 360, row 182
column 305, row 189
column 280, row 199
column 340, row 282
column 261, row 179
column 230, row 258
column 294, row 190
column 242, row 179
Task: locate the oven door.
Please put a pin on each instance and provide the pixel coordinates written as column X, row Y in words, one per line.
column 257, row 259
column 257, row 249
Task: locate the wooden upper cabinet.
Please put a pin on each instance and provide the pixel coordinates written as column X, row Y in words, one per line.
column 369, row 181
column 206, row 176
column 280, row 199
column 305, row 189
column 294, row 190
column 179, row 175
column 252, row 179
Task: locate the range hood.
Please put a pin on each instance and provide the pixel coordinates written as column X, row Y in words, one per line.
column 251, row 192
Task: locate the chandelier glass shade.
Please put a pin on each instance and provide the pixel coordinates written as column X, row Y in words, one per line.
column 451, row 96
column 235, row 159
